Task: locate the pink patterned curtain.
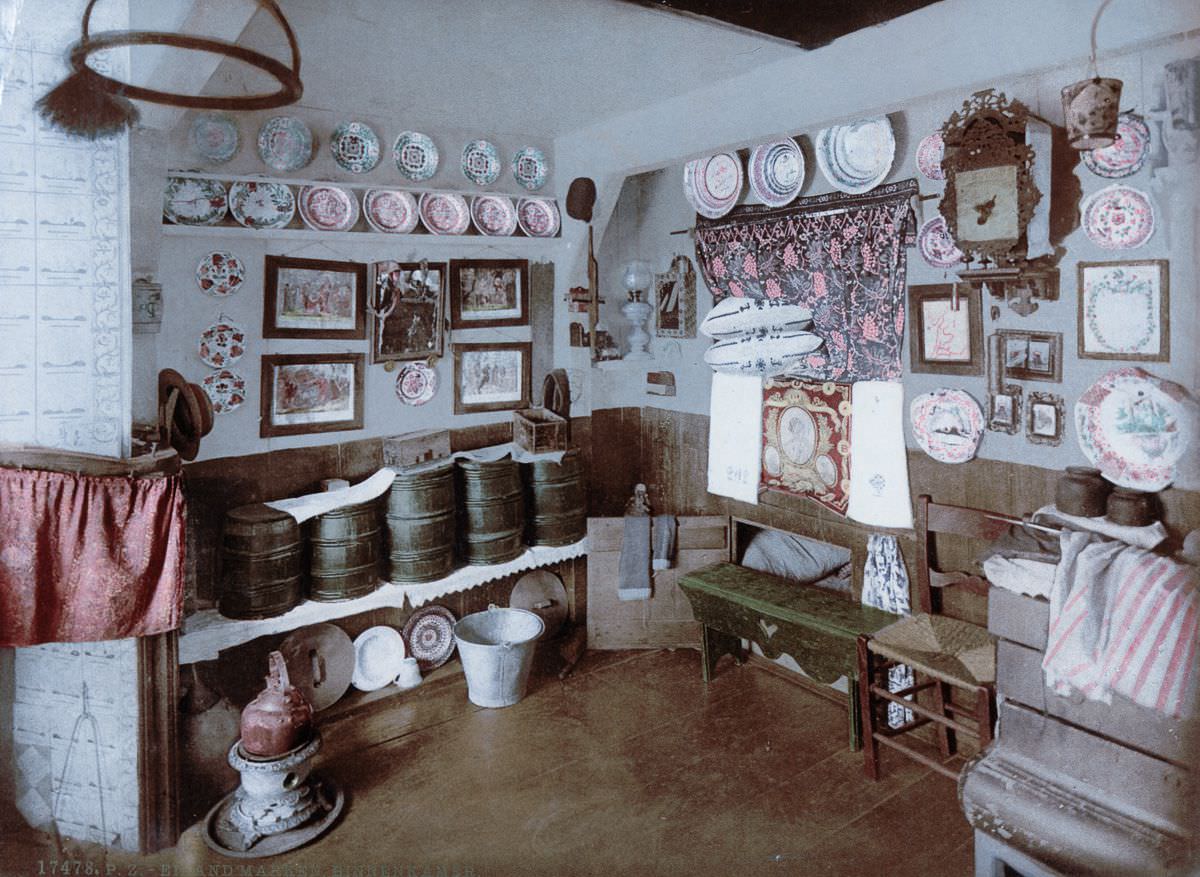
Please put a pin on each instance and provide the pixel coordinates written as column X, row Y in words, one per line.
column 85, row 557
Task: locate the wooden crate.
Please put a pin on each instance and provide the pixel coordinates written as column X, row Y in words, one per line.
column 538, row 430
column 416, row 447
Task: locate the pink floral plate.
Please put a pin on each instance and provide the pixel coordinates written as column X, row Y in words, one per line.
column 429, row 635
column 328, row 208
column 1127, row 153
column 222, row 343
column 947, row 424
column 494, row 215
column 226, row 389
column 416, row 383
column 929, row 156
column 1118, row 217
column 445, row 212
column 713, row 184
column 220, row 273
column 937, row 247
column 538, row 217
column 392, row 211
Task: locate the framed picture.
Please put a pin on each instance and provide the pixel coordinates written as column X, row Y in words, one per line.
column 491, row 377
column 1044, row 425
column 675, row 300
column 487, row 293
column 1124, row 310
column 946, row 329
column 318, row 392
column 407, row 312
column 314, row 298
column 1032, row 356
column 1004, row 410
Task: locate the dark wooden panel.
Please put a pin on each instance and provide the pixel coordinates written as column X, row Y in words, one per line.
column 616, row 459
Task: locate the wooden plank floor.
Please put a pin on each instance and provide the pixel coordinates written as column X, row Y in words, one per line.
column 632, row 766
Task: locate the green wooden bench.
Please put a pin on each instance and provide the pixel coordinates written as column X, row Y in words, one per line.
column 818, row 628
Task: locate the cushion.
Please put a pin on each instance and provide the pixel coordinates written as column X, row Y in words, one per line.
column 793, row 557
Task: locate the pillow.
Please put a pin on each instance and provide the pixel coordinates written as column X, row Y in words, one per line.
column 733, row 316
column 793, row 557
column 766, row 354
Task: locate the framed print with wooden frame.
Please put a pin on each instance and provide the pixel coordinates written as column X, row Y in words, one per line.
column 407, row 310
column 314, row 298
column 675, row 300
column 1031, row 356
column 1044, row 423
column 1124, row 310
column 311, row 392
column 946, row 329
column 1004, row 410
column 489, row 293
column 491, row 377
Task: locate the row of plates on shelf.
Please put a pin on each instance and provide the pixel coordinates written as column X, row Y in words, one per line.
column 286, row 143
column 267, row 204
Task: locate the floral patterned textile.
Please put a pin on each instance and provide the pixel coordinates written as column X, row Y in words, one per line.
column 806, row 440
column 86, row 558
column 843, row 256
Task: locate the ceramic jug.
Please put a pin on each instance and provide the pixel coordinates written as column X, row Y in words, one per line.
column 279, row 719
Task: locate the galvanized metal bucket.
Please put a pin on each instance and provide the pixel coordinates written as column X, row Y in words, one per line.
column 496, row 647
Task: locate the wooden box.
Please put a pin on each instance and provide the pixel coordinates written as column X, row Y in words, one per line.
column 416, row 447
column 538, row 430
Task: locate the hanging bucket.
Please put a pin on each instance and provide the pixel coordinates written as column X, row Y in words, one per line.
column 496, row 648
column 1090, row 108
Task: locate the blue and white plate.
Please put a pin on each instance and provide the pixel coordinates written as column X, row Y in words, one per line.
column 416, row 156
column 355, row 147
column 285, row 143
column 529, row 168
column 856, row 158
column 262, row 204
column 214, row 137
column 481, row 162
column 777, row 172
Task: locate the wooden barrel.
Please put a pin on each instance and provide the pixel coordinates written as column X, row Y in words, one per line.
column 555, row 503
column 262, row 563
column 420, row 523
column 344, row 549
column 491, row 511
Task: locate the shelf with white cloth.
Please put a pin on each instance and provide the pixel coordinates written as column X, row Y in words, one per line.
column 205, row 634
column 301, row 233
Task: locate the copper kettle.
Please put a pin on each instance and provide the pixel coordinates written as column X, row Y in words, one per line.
column 279, row 719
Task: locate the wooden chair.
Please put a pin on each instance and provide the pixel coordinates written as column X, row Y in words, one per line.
column 944, row 652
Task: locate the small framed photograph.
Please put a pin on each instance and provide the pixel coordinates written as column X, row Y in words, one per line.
column 314, row 298
column 1124, row 310
column 675, row 300
column 319, row 392
column 1004, row 410
column 487, row 293
column 1032, row 356
column 1044, row 425
column 946, row 329
column 491, row 377
column 407, row 316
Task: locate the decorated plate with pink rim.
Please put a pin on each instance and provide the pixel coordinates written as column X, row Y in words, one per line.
column 494, row 215
column 1118, row 217
column 285, row 143
column 328, row 208
column 481, row 162
column 929, row 156
column 416, row 156
column 1134, row 428
column 262, row 204
column 445, row 212
column 416, row 383
column 392, row 211
column 947, row 424
column 714, row 184
column 429, row 635
column 937, row 246
column 538, row 217
column 220, row 273
column 1127, row 153
column 776, row 172
column 226, row 389
column 222, row 343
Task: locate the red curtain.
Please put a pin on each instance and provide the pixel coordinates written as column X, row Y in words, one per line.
column 85, row 557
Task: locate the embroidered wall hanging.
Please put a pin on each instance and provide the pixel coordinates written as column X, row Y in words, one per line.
column 842, row 256
column 806, row 440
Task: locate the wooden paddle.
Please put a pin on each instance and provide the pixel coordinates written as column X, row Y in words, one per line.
column 581, row 198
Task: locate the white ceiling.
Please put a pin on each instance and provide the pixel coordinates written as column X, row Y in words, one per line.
column 536, row 67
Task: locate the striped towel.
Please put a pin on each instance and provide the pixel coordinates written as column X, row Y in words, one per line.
column 1124, row 620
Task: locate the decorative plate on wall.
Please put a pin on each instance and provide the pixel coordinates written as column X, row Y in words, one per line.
column 937, row 247
column 856, row 158
column 481, row 162
column 947, row 424
column 445, row 212
column 494, row 215
column 355, row 147
column 777, row 172
column 416, row 383
column 416, row 156
column 226, row 389
column 222, row 343
column 529, row 168
column 929, row 156
column 328, row 208
column 214, row 137
column 429, row 635
column 392, row 211
column 1118, row 217
column 220, row 273
column 285, row 143
column 262, row 204
column 1127, row 153
column 189, row 201
column 538, row 217
column 713, row 184
column 1133, row 427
